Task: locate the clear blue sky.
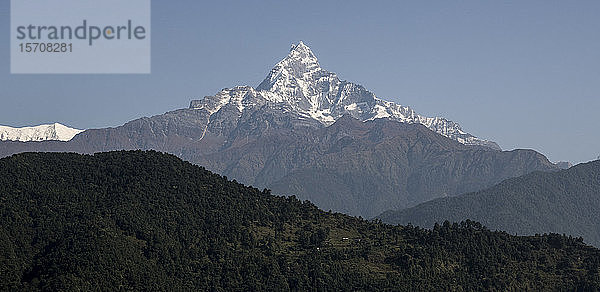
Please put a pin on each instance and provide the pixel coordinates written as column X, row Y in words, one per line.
column 523, row 73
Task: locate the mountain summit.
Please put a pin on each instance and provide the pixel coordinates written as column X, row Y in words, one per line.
column 300, row 80
column 300, row 64
column 299, row 86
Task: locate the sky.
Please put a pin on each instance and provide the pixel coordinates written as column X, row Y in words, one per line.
column 525, row 74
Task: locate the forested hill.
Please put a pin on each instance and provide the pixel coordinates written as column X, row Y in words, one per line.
column 567, row 202
column 149, row 221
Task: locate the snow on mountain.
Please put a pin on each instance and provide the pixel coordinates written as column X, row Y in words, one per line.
column 54, row 131
column 298, row 84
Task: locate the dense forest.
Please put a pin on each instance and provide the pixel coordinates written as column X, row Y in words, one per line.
column 150, row 221
column 566, row 202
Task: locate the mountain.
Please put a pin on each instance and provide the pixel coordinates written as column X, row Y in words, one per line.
column 299, row 85
column 360, row 168
column 563, row 202
column 365, row 168
column 54, row 131
column 146, row 221
column 303, row 131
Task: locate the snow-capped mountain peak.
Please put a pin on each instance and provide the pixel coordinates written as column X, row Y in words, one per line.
column 302, row 54
column 298, row 84
column 56, row 132
column 299, row 62
column 299, row 80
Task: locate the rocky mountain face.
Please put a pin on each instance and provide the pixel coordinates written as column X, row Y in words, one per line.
column 565, row 202
column 364, row 168
column 303, row 131
column 56, row 132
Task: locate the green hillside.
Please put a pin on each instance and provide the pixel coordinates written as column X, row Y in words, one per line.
column 150, row 221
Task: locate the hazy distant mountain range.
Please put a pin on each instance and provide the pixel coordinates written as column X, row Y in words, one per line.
column 563, row 202
column 304, row 131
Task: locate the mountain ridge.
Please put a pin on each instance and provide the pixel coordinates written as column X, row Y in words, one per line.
column 368, row 166
column 563, row 202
